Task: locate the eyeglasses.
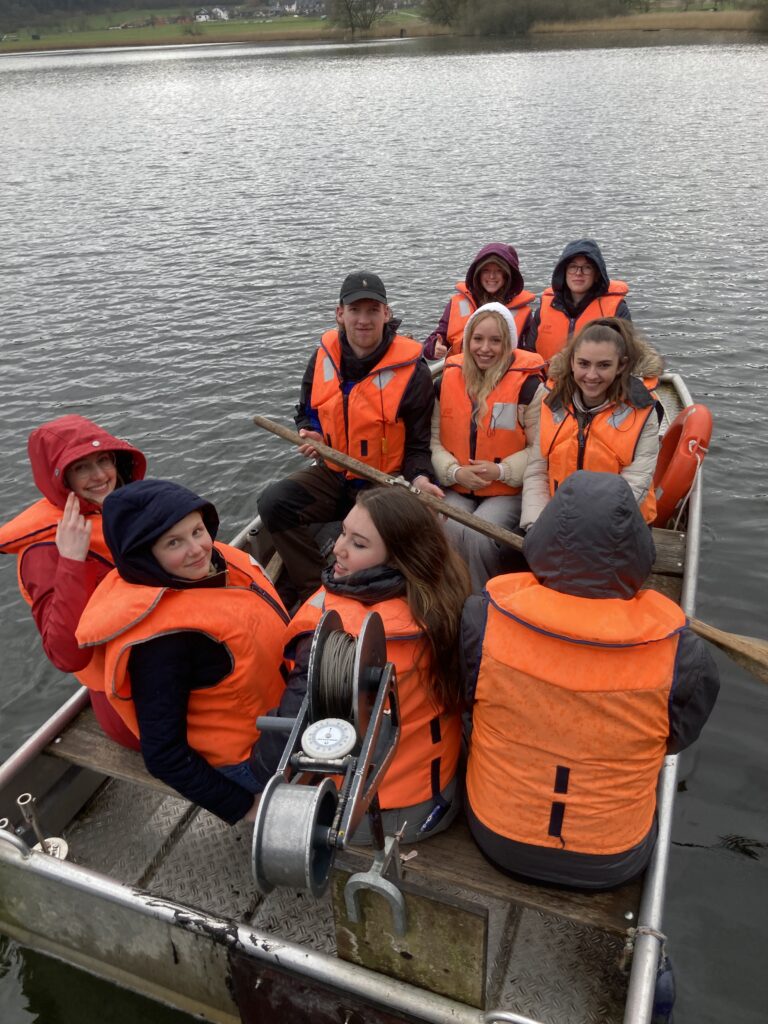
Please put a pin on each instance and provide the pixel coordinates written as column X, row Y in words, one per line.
column 580, row 268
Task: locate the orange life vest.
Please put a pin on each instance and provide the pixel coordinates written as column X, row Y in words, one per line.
column 428, row 751
column 556, row 327
column 571, row 720
column 463, row 306
column 246, row 616
column 37, row 525
column 499, row 433
column 607, row 445
column 370, row 429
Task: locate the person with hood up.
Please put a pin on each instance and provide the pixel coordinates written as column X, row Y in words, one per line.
column 483, row 430
column 598, row 412
column 581, row 291
column 366, row 392
column 188, row 639
column 580, row 684
column 493, row 276
column 61, row 554
column 392, row 558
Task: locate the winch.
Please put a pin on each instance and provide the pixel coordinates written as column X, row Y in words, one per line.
column 338, row 749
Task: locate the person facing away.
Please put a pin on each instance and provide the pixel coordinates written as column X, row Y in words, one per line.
column 366, row 392
column 483, row 429
column 598, row 412
column 61, row 554
column 493, row 276
column 188, row 637
column 581, row 683
column 392, row 558
column 581, row 291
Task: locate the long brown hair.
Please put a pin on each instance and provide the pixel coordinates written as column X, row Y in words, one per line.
column 480, row 383
column 636, row 357
column 437, row 580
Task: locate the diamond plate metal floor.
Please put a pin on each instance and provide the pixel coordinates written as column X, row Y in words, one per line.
column 539, row 965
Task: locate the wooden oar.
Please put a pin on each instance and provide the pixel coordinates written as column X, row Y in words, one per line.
column 747, row 651
column 497, row 533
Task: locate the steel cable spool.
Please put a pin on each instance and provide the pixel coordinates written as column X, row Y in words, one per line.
column 291, row 844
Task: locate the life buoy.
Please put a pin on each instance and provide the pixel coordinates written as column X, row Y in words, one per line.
column 682, row 452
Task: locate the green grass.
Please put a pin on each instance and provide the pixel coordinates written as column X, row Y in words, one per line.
column 95, row 31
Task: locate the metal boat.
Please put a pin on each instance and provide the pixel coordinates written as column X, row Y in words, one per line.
column 157, row 895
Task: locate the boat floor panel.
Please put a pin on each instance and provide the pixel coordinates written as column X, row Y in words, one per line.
column 564, row 973
column 209, row 868
column 125, row 830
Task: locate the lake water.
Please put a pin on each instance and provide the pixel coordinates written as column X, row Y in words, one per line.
column 174, row 226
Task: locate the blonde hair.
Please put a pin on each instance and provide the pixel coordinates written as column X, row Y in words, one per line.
column 480, row 383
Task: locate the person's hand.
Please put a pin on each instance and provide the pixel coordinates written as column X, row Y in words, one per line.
column 471, row 478
column 73, row 534
column 489, row 471
column 251, row 815
column 440, row 349
column 425, row 484
column 307, row 450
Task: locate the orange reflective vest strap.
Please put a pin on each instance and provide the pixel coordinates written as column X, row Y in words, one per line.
column 369, row 429
column 500, row 433
column 246, row 616
column 37, row 525
column 427, row 753
column 556, row 327
column 571, row 720
column 463, row 306
column 606, row 445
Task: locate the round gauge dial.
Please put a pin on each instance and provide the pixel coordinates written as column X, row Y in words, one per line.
column 328, row 738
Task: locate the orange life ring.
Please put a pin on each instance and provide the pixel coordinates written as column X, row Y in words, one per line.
column 682, row 452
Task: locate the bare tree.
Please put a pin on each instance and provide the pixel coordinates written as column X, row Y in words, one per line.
column 356, row 14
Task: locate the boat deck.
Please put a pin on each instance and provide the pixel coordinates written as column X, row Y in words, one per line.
column 137, row 831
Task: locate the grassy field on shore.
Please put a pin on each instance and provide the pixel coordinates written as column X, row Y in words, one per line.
column 98, row 33
column 101, row 30
column 658, row 21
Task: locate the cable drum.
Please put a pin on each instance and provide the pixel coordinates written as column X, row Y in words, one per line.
column 335, row 688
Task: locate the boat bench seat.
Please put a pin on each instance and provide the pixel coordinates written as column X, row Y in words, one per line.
column 84, row 744
column 450, row 858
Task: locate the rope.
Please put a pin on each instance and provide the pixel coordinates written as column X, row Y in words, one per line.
column 694, row 448
column 336, row 676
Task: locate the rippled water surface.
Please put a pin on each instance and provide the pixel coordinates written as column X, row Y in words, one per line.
column 174, row 226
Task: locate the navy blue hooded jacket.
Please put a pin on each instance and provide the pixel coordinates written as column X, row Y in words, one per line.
column 563, row 300
column 167, row 668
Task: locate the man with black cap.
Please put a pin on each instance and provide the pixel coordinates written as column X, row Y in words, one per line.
column 367, row 392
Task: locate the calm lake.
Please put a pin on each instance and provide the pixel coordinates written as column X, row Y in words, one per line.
column 174, row 227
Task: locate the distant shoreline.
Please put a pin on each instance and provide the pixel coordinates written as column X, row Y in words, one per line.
column 263, row 33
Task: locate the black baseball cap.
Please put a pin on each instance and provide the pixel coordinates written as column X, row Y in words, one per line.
column 362, row 285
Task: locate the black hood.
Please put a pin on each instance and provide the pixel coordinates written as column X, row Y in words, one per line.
column 583, row 247
column 591, row 539
column 134, row 517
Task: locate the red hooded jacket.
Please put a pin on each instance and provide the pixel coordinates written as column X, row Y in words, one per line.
column 58, row 588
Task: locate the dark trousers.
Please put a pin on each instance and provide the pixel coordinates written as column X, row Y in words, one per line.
column 313, row 495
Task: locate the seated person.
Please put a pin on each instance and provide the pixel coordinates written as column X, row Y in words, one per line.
column 392, row 558
column 581, row 291
column 598, row 414
column 366, row 392
column 482, row 432
column 59, row 546
column 493, row 276
column 188, row 638
column 582, row 683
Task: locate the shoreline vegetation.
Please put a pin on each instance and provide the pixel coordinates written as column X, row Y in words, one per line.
column 396, row 25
